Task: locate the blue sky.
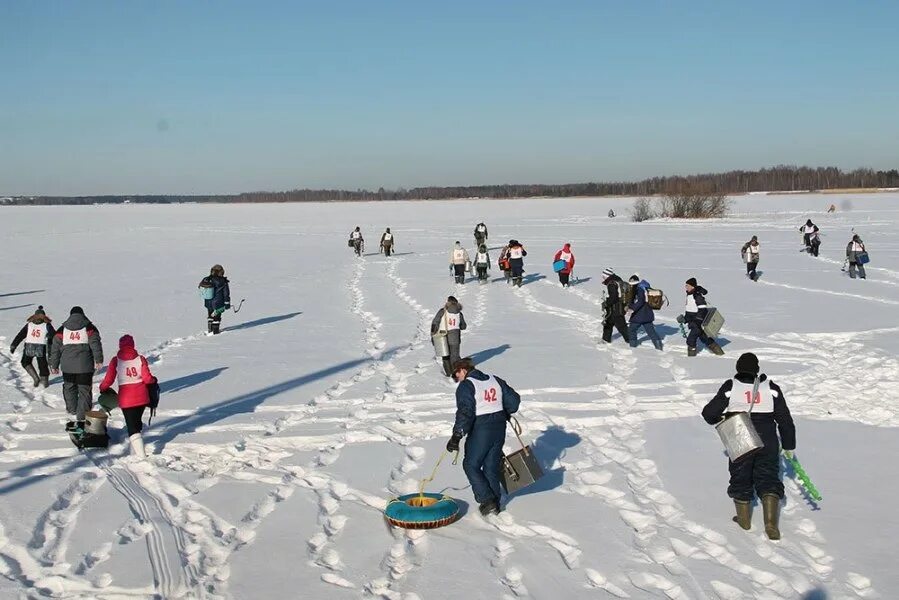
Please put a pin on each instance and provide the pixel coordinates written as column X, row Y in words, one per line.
column 214, row 97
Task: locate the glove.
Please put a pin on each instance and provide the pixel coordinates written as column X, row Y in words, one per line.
column 788, row 454
column 453, row 444
column 680, row 319
column 12, row 349
column 218, row 311
column 227, row 305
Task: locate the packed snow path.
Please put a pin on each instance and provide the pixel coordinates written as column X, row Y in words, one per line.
column 278, row 443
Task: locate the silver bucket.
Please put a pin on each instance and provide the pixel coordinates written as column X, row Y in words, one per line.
column 441, row 344
column 739, row 436
column 95, row 422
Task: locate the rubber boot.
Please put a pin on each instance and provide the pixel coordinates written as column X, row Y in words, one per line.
column 691, row 351
column 45, row 381
column 216, row 328
column 208, row 325
column 34, row 377
column 137, row 445
column 716, row 349
column 744, row 514
column 771, row 509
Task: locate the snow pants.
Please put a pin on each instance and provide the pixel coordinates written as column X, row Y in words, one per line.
column 459, row 273
column 564, row 277
column 517, row 265
column 852, row 268
column 42, row 367
column 134, row 419
column 483, row 458
column 388, row 248
column 751, row 267
column 76, row 390
column 617, row 322
column 696, row 333
column 482, row 273
column 449, row 361
column 213, row 321
column 759, row 471
column 650, row 329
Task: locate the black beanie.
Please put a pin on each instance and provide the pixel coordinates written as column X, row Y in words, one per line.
column 748, row 363
column 76, row 310
column 40, row 311
column 692, row 281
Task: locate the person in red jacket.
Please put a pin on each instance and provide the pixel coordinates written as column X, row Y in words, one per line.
column 131, row 372
column 568, row 256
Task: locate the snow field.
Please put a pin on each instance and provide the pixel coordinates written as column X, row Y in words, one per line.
column 278, row 443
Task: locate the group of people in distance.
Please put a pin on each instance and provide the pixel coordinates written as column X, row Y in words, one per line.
column 856, row 253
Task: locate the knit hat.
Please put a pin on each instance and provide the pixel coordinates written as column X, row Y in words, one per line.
column 755, row 238
column 606, row 273
column 217, row 270
column 748, row 363
column 40, row 311
column 567, row 246
column 691, row 282
column 126, row 341
column 635, row 278
column 76, row 310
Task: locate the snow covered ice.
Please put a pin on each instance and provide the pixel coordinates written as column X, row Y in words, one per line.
column 278, row 443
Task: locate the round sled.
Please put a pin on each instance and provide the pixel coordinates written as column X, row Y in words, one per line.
column 421, row 511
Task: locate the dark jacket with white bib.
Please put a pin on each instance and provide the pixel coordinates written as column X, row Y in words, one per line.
column 770, row 413
column 76, row 347
column 483, row 400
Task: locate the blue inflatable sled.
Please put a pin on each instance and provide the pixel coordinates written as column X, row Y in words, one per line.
column 421, row 511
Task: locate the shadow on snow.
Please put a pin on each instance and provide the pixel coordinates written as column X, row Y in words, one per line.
column 485, row 355
column 261, row 322
column 182, row 383
column 21, row 293
column 549, row 449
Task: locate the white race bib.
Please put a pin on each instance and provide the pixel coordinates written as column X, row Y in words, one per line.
column 453, row 320
column 355, row 235
column 515, row 252
column 388, row 237
column 488, row 396
column 691, row 304
column 809, row 229
column 741, row 393
column 482, row 259
column 458, row 255
column 37, row 334
column 128, row 371
column 70, row 337
column 566, row 256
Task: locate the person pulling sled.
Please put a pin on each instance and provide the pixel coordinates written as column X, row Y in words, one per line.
column 77, row 351
column 36, row 333
column 216, row 293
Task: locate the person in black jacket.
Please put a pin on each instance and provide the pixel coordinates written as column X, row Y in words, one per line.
column 760, row 471
column 613, row 307
column 483, row 405
column 37, row 333
column 811, row 236
column 695, row 312
column 217, row 286
column 641, row 313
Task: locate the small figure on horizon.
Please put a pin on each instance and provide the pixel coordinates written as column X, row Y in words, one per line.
column 480, row 234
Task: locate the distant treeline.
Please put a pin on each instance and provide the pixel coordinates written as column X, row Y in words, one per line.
column 780, row 178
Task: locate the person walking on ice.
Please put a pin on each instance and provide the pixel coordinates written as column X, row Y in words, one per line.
column 613, row 306
column 387, row 242
column 480, row 234
column 77, row 351
column 750, row 254
column 216, row 291
column 811, row 237
column 459, row 262
column 356, row 241
column 131, row 373
column 482, row 263
column 449, row 320
column 695, row 312
column 567, row 256
column 641, row 313
column 36, row 333
column 483, row 405
column 516, row 261
column 758, row 472
column 856, row 256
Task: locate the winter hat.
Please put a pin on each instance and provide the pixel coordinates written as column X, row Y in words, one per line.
column 458, row 244
column 635, row 278
column 126, row 341
column 40, row 311
column 463, row 363
column 217, row 270
column 567, row 246
column 388, row 230
column 692, row 282
column 77, row 310
column 755, row 238
column 606, row 273
column 748, row 363
column 809, row 222
column 452, row 300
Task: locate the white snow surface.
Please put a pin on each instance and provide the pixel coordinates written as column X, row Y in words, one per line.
column 279, row 442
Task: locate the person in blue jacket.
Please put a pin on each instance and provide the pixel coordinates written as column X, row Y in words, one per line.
column 642, row 314
column 221, row 298
column 483, row 405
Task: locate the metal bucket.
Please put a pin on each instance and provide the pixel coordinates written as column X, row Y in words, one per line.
column 739, row 436
column 713, row 322
column 441, row 344
column 95, row 422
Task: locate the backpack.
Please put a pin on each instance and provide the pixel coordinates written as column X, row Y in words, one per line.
column 655, row 298
column 625, row 293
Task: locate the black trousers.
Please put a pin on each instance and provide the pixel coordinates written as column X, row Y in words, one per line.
column 43, row 368
column 563, row 278
column 750, row 268
column 134, row 419
column 459, row 271
column 696, row 333
column 213, row 320
column 759, row 472
column 617, row 322
column 76, row 391
column 388, row 248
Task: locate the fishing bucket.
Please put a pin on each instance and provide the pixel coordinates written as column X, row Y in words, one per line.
column 862, row 258
column 441, row 344
column 559, row 265
column 207, row 293
column 520, row 469
column 655, row 298
column 95, row 422
column 739, row 436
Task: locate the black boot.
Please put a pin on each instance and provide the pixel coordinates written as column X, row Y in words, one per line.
column 45, row 381
column 209, row 326
column 489, row 507
column 216, row 328
column 691, row 351
column 716, row 349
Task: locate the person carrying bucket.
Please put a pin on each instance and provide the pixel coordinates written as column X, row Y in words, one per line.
column 758, row 471
column 516, row 261
column 483, row 405
column 459, row 261
column 356, row 242
column 77, row 351
column 216, row 293
column 36, row 333
column 565, row 255
column 131, row 373
column 387, row 242
column 450, row 322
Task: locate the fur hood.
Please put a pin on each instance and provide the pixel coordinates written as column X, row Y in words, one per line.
column 39, row 319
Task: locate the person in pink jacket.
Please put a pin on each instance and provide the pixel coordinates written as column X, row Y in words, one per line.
column 566, row 255
column 131, row 372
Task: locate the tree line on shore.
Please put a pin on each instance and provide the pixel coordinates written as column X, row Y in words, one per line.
column 779, row 178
